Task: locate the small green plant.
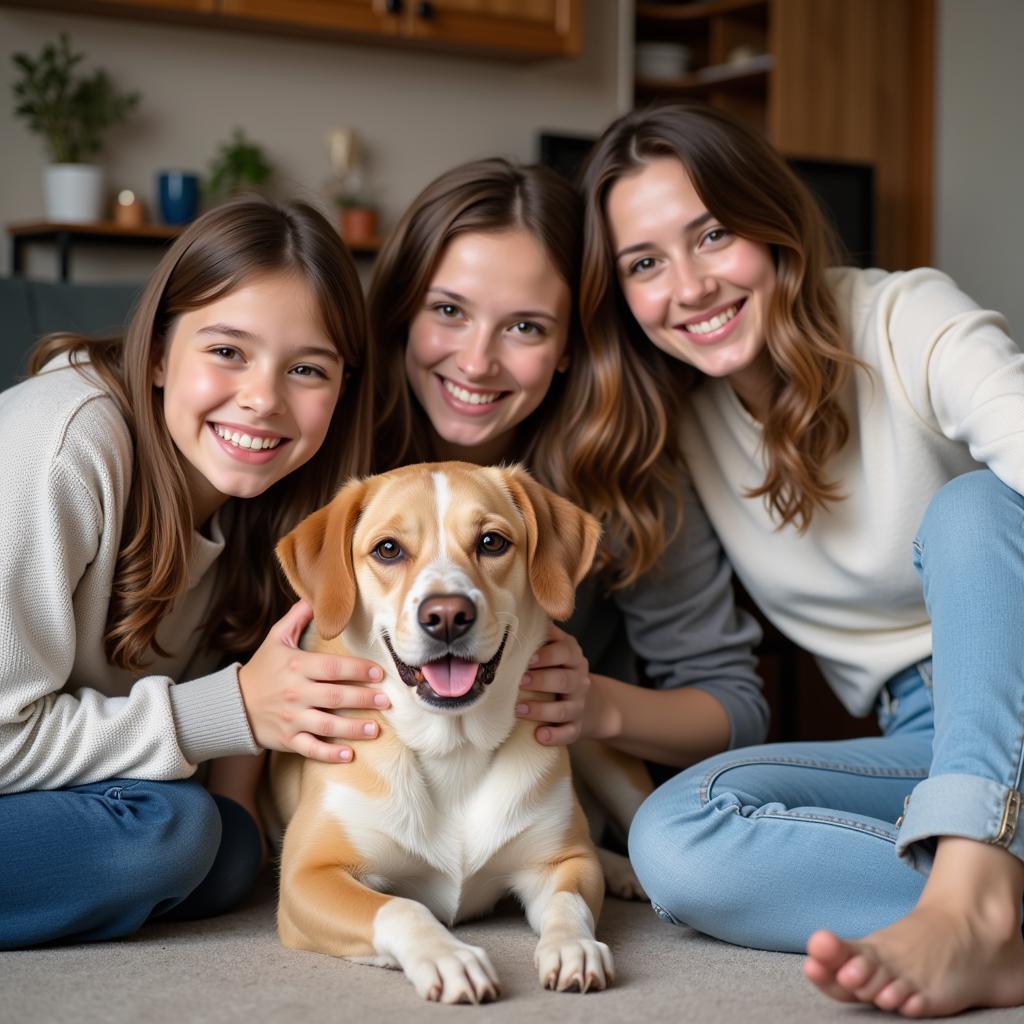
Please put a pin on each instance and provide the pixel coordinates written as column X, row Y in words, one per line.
column 238, row 164
column 71, row 112
column 353, row 200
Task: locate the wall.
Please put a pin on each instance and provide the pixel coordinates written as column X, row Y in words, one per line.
column 418, row 113
column 979, row 169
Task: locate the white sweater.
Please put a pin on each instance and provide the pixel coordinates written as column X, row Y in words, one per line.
column 67, row 717
column 945, row 395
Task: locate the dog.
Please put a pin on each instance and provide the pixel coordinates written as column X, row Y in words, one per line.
column 447, row 575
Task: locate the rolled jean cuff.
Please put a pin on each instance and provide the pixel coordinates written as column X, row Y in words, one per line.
column 968, row 806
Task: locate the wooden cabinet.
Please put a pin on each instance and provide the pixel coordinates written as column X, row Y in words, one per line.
column 503, row 28
column 532, row 26
column 179, row 6
column 370, row 17
column 837, row 80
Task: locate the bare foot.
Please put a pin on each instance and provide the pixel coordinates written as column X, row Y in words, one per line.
column 959, row 948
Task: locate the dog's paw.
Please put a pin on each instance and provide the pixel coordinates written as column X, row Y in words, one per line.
column 455, row 973
column 619, row 877
column 576, row 965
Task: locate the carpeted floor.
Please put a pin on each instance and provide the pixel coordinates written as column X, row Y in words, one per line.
column 232, row 970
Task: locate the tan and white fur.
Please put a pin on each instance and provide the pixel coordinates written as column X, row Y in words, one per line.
column 456, row 803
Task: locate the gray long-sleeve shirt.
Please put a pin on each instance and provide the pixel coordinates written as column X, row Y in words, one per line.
column 681, row 623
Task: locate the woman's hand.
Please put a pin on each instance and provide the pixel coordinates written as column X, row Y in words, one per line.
column 559, row 669
column 290, row 694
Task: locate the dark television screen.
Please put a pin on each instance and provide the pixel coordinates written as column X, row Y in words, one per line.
column 845, row 190
column 847, row 193
column 563, row 153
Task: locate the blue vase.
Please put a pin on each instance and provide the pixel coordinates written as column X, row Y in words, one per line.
column 178, row 192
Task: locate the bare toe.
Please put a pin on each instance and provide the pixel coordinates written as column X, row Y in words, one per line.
column 829, row 950
column 857, row 972
column 894, row 995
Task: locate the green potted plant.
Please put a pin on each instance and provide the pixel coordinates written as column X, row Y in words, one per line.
column 238, row 165
column 72, row 112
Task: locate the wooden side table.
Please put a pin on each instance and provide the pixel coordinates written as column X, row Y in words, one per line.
column 66, row 236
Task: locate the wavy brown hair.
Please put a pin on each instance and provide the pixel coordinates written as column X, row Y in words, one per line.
column 577, row 443
column 221, row 251
column 748, row 187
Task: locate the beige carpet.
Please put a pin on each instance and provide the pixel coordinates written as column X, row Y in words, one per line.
column 232, row 971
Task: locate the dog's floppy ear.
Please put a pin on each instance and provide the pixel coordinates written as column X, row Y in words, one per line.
column 561, row 541
column 317, row 559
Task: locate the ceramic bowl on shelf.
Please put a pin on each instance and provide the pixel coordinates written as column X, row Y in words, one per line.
column 658, row 60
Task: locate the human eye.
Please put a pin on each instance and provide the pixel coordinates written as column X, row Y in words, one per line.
column 226, row 352
column 715, row 235
column 528, row 329
column 642, row 265
column 310, row 371
column 447, row 310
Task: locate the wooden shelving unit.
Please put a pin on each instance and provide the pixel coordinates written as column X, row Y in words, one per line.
column 833, row 80
column 67, row 237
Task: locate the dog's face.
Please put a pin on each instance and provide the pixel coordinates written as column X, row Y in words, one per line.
column 447, row 571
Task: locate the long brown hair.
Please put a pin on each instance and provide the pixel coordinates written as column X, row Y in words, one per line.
column 569, row 442
column 216, row 254
column 747, row 186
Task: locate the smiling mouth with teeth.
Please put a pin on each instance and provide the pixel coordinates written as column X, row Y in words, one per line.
column 448, row 682
column 714, row 323
column 239, row 439
column 471, row 397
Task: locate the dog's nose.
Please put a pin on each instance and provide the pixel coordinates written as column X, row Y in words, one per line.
column 446, row 616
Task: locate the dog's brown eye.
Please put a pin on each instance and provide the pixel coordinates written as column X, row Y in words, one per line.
column 492, row 543
column 388, row 550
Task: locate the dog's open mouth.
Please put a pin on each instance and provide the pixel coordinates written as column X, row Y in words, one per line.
column 449, row 682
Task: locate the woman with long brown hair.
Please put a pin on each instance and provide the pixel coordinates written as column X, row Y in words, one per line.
column 473, row 304
column 145, row 626
column 827, row 413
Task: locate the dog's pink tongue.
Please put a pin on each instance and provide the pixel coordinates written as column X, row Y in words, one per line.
column 450, row 677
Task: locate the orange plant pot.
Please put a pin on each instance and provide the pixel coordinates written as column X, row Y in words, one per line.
column 358, row 225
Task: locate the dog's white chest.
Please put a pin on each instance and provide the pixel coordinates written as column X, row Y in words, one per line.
column 454, row 841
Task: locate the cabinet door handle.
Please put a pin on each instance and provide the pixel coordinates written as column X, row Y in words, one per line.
column 393, row 6
column 425, row 10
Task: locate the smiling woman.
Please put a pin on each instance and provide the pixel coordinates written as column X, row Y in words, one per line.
column 474, row 305
column 138, row 574
column 855, row 436
column 490, row 336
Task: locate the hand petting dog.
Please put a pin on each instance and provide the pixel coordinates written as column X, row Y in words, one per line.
column 291, row 695
column 555, row 689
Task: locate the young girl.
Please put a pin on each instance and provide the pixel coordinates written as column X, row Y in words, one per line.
column 147, row 481
column 472, row 303
column 827, row 415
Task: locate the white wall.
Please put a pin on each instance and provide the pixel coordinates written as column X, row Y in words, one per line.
column 979, row 206
column 418, row 113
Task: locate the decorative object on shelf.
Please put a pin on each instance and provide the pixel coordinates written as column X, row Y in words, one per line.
column 178, row 196
column 129, row 211
column 657, row 61
column 72, row 112
column 358, row 219
column 240, row 165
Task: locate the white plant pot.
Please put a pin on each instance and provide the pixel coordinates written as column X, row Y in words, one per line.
column 73, row 193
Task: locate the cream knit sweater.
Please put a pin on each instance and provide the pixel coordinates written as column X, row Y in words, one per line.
column 66, row 716
column 945, row 395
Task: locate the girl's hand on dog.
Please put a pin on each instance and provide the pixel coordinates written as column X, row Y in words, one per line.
column 290, row 694
column 559, row 668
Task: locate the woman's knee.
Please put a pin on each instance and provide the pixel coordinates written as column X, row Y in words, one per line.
column 234, row 870
column 172, row 838
column 968, row 513
column 671, row 844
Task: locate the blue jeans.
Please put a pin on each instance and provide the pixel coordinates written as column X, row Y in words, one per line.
column 96, row 862
column 764, row 845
